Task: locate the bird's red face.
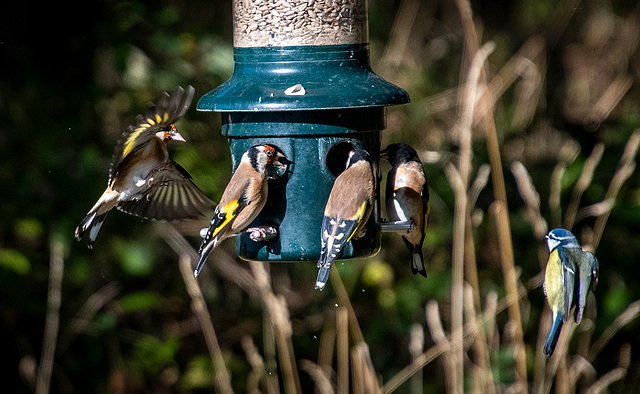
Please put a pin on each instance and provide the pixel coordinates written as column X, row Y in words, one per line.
column 270, row 152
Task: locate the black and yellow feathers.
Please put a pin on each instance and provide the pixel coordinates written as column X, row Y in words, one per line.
column 143, row 180
column 242, row 200
column 348, row 208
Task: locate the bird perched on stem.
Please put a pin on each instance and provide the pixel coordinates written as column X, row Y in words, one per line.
column 570, row 274
column 407, row 198
column 242, row 200
column 143, row 179
column 348, row 208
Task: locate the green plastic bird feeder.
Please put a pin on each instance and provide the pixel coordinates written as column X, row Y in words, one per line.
column 302, row 82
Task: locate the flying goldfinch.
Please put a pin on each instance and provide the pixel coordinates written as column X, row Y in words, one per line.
column 407, row 198
column 242, row 200
column 570, row 274
column 347, row 211
column 143, row 180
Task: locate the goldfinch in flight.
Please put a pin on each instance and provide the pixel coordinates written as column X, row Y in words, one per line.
column 143, row 180
column 347, row 211
column 570, row 274
column 407, row 198
column 242, row 200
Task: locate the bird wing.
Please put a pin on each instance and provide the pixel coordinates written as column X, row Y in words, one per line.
column 595, row 271
column 159, row 117
column 337, row 231
column 569, row 281
column 588, row 278
column 225, row 214
column 171, row 195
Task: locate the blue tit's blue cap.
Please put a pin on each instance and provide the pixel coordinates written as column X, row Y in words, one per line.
column 564, row 237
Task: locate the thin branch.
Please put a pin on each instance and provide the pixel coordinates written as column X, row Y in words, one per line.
column 625, row 168
column 616, row 374
column 223, row 379
column 583, row 183
column 52, row 319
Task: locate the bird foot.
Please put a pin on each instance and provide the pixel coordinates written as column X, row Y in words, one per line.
column 263, row 233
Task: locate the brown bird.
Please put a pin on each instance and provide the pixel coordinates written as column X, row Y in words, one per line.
column 143, row 179
column 242, row 200
column 407, row 198
column 348, row 208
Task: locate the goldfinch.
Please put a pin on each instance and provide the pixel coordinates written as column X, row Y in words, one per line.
column 407, row 198
column 143, row 180
column 242, row 200
column 570, row 274
column 348, row 208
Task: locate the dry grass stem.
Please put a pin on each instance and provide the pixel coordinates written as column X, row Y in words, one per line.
column 343, row 300
column 81, row 321
column 622, row 320
column 319, row 376
column 625, row 168
column 610, row 98
column 223, row 379
column 278, row 316
column 416, row 347
column 501, row 216
column 500, row 207
column 342, row 339
column 460, row 213
column 225, row 264
column 434, row 323
column 583, row 183
column 257, row 365
column 363, row 374
column 616, row 374
column 478, row 185
column 52, row 318
column 531, row 199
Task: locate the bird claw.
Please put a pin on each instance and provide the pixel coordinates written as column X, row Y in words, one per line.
column 263, row 233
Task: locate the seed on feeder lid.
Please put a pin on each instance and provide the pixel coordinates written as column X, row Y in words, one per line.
column 295, row 90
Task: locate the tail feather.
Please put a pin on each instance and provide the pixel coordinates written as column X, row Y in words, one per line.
column 554, row 334
column 205, row 250
column 91, row 223
column 417, row 260
column 417, row 263
column 323, row 276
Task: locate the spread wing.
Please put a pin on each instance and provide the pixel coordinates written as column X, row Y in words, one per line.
column 159, row 118
column 171, row 195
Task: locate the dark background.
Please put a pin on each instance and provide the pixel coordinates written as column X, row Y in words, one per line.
column 73, row 76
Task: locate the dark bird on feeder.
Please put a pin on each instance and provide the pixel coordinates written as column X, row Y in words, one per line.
column 570, row 274
column 347, row 211
column 143, row 180
column 242, row 200
column 407, row 198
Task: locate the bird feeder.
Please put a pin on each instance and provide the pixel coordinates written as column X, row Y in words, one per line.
column 302, row 82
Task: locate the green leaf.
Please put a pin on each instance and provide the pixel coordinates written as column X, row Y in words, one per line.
column 139, row 301
column 14, row 261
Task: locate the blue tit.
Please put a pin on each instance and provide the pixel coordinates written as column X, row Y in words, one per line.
column 348, row 208
column 570, row 274
column 242, row 200
column 407, row 198
column 143, row 179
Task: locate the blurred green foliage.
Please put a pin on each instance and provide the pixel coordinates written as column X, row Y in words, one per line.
column 73, row 76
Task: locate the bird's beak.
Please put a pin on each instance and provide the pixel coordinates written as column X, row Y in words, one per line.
column 178, row 137
column 384, row 154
